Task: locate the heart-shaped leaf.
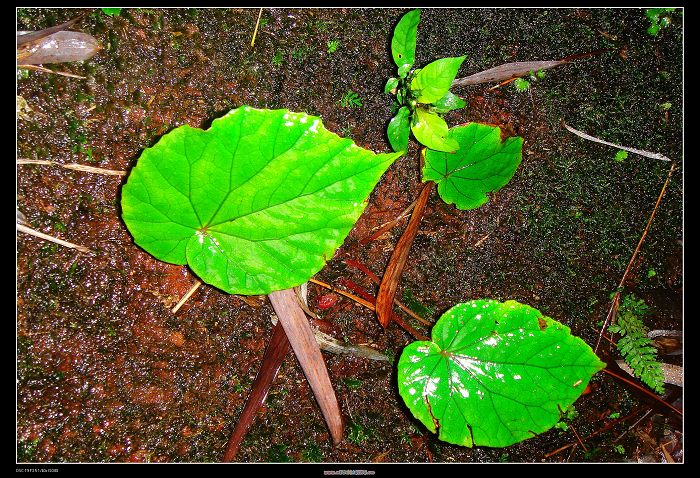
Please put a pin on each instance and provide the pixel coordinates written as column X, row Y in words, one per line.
column 432, row 131
column 482, row 164
column 256, row 203
column 433, row 81
column 399, row 129
column 495, row 373
column 403, row 43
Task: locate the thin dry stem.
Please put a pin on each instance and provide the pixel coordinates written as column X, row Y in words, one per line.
column 640, row 152
column 359, row 300
column 616, row 299
column 255, row 32
column 46, row 237
column 192, row 290
column 74, row 166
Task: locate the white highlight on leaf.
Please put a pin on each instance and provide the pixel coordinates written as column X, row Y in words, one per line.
column 467, row 363
column 431, row 385
column 491, row 341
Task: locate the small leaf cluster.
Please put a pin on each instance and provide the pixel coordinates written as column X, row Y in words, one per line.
column 422, row 94
column 659, row 19
column 350, row 100
column 523, row 83
column 636, row 348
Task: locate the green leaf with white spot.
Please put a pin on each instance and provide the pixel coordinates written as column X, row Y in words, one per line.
column 391, row 84
column 256, row 203
column 433, row 81
column 432, row 131
column 494, row 374
column 448, row 102
column 403, row 43
column 482, row 164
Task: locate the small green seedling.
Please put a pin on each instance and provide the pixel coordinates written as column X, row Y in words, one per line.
column 277, row 58
column 422, row 94
column 350, row 100
column 621, row 155
column 332, row 46
column 523, row 83
column 569, row 415
column 494, row 374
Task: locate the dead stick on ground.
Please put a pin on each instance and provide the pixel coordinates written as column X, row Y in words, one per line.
column 74, row 166
column 616, row 298
column 308, row 353
column 392, row 274
column 41, row 235
column 255, row 32
column 389, row 225
column 359, row 300
column 641, row 152
column 370, row 306
column 578, row 437
column 192, row 290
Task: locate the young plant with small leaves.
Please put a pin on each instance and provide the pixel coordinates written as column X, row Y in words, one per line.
column 523, row 83
column 634, row 345
column 350, row 100
column 332, row 46
column 422, row 94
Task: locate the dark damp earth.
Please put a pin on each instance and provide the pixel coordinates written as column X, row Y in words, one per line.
column 105, row 371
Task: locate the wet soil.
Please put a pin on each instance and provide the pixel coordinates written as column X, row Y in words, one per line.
column 105, row 372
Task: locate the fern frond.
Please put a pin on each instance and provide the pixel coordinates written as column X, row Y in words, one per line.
column 634, row 345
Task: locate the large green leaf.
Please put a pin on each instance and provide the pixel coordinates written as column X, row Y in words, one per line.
column 482, row 164
column 403, row 43
column 432, row 131
column 495, row 373
column 433, row 81
column 256, row 203
column 399, row 129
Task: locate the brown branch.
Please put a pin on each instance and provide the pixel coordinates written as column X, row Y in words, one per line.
column 301, row 337
column 276, row 351
column 616, row 299
column 392, row 274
